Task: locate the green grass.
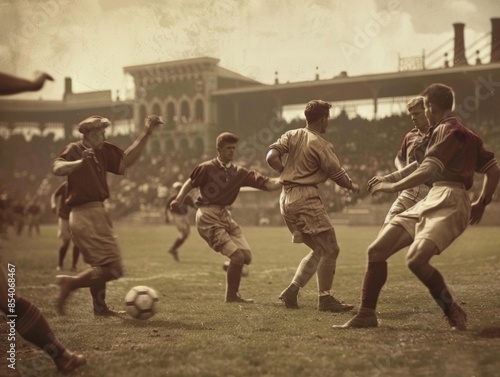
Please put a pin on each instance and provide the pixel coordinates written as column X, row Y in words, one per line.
column 196, row 334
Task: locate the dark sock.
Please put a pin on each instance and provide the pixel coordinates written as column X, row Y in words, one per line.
column 374, row 279
column 233, row 278
column 33, row 327
column 98, row 292
column 439, row 291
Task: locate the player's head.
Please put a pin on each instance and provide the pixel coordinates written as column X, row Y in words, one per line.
column 93, row 128
column 226, row 146
column 438, row 99
column 317, row 112
column 177, row 186
column 416, row 110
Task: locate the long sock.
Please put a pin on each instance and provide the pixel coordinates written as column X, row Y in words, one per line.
column 439, row 291
column 374, row 279
column 76, row 254
column 98, row 292
column 33, row 327
column 306, row 269
column 233, row 278
column 62, row 253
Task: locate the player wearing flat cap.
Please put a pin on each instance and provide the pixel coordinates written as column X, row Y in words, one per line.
column 86, row 163
column 311, row 160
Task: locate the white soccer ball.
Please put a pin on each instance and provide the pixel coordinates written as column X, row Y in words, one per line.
column 141, row 302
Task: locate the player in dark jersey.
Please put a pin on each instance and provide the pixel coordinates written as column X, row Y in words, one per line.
column 34, row 212
column 30, row 321
column 86, row 163
column 178, row 216
column 59, row 206
column 412, row 150
column 453, row 155
column 220, row 181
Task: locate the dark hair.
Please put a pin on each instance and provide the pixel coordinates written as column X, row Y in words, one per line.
column 439, row 95
column 316, row 109
column 226, row 138
column 415, row 102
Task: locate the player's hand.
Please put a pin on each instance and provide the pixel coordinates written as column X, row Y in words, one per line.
column 88, row 153
column 354, row 188
column 40, row 79
column 381, row 187
column 477, row 211
column 152, row 122
column 175, row 204
column 375, row 181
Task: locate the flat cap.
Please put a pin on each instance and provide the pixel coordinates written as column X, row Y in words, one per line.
column 93, row 122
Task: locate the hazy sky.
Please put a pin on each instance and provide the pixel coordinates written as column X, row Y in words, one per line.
column 91, row 41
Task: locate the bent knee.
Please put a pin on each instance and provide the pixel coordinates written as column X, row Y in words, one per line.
column 241, row 257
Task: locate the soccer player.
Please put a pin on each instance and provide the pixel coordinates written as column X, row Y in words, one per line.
column 453, row 155
column 86, row 163
column 179, row 218
column 412, row 151
column 59, row 206
column 30, row 321
column 311, row 160
column 220, row 181
column 34, row 212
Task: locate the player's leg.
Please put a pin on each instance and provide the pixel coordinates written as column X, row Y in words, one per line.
column 390, row 240
column 76, row 255
column 62, row 253
column 418, row 261
column 32, row 326
column 242, row 256
column 182, row 224
column 328, row 249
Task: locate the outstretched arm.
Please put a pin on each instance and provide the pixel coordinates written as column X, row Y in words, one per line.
column 272, row 184
column 13, row 85
column 421, row 175
column 133, row 152
column 490, row 183
column 273, row 159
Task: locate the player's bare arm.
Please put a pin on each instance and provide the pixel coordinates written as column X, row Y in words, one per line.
column 61, row 167
column 133, row 152
column 14, row 85
column 421, row 175
column 272, row 184
column 490, row 183
column 273, row 159
column 185, row 189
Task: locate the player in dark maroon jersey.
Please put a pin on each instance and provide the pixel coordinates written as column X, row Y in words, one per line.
column 453, row 155
column 30, row 321
column 220, row 181
column 178, row 216
column 86, row 163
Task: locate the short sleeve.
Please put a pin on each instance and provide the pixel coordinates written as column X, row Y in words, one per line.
column 444, row 144
column 254, row 179
column 485, row 158
column 329, row 163
column 114, row 159
column 198, row 176
column 282, row 145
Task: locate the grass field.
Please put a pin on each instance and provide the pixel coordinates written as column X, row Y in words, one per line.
column 196, row 334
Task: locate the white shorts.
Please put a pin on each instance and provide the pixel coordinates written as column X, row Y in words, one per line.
column 440, row 217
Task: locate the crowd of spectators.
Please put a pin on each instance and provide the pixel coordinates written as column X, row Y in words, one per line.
column 365, row 148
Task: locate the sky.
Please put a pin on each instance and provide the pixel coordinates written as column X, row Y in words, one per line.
column 92, row 40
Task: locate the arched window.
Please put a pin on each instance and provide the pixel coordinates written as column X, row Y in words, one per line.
column 185, row 112
column 171, row 117
column 199, row 111
column 156, row 109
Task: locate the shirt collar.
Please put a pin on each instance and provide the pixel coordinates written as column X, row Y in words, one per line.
column 225, row 166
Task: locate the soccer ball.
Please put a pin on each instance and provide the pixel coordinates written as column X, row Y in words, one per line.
column 244, row 272
column 141, row 302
